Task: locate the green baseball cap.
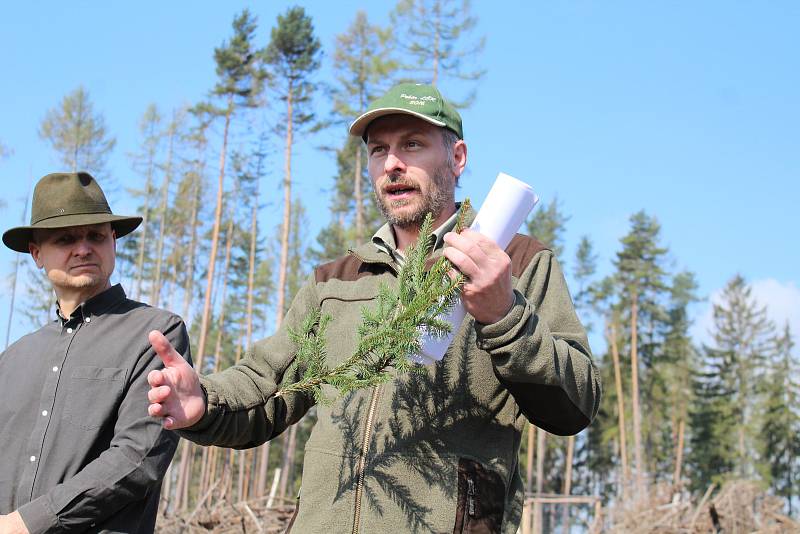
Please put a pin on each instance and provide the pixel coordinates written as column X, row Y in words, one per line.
column 422, row 101
column 61, row 200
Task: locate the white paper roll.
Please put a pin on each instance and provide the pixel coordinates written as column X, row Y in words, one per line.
column 502, row 213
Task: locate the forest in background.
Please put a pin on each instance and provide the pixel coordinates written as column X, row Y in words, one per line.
column 673, row 412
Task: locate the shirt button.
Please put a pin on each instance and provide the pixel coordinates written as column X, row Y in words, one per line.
column 44, row 413
column 88, row 319
column 69, row 330
column 55, row 369
column 33, row 458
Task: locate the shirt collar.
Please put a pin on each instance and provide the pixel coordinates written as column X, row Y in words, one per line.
column 95, row 305
column 384, row 238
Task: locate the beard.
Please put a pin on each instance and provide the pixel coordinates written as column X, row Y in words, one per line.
column 437, row 198
column 64, row 280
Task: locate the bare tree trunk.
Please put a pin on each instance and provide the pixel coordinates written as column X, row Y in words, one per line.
column 567, row 481
column 359, row 196
column 287, row 214
column 288, row 455
column 637, row 423
column 290, row 444
column 212, row 259
column 531, row 447
column 137, row 285
column 541, row 445
column 155, row 294
column 183, row 476
column 16, row 265
column 188, row 288
column 526, row 517
column 623, row 451
column 204, row 482
column 676, row 476
column 228, row 246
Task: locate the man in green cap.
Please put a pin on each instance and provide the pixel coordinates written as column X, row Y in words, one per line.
column 433, row 451
column 80, row 452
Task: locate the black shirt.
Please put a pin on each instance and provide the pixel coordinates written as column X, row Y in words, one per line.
column 78, row 450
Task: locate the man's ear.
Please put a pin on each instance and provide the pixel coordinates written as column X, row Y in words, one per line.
column 459, row 157
column 33, row 248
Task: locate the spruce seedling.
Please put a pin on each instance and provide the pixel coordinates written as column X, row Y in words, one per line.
column 391, row 332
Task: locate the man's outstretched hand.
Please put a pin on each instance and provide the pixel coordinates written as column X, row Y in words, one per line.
column 175, row 394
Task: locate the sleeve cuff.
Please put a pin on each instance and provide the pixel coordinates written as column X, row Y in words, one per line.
column 194, row 432
column 38, row 517
column 494, row 335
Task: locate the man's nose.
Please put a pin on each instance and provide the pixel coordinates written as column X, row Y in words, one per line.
column 393, row 164
column 82, row 247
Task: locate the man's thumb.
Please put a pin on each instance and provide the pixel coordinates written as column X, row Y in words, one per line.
column 164, row 349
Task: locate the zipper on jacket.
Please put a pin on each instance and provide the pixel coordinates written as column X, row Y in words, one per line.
column 362, row 460
column 471, row 497
column 470, row 505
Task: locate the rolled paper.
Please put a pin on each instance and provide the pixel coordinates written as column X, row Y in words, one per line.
column 502, row 213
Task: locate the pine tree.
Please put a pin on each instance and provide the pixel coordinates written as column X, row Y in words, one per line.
column 136, row 248
column 293, row 58
column 640, row 276
column 15, row 272
column 173, row 136
column 240, row 75
column 362, row 71
column 585, row 268
column 78, row 135
column 780, row 426
column 672, row 376
column 729, row 387
column 433, row 41
column 548, row 226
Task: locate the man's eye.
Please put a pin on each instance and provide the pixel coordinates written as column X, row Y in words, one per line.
column 376, row 150
column 97, row 237
column 413, row 144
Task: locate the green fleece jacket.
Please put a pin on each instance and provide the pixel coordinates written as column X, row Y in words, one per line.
column 426, row 452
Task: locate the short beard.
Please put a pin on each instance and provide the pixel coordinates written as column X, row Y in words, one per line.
column 437, row 199
column 61, row 279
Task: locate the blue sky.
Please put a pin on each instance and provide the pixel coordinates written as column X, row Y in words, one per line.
column 688, row 110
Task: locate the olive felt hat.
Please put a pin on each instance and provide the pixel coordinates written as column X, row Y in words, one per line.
column 61, row 200
column 422, row 101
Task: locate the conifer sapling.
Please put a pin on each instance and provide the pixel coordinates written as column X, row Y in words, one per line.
column 390, row 333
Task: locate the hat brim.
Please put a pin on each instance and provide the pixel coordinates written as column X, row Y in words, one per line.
column 18, row 238
column 359, row 126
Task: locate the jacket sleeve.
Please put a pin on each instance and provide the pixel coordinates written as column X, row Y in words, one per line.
column 130, row 468
column 540, row 352
column 242, row 410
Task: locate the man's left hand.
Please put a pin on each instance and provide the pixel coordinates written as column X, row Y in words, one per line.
column 12, row 524
column 488, row 294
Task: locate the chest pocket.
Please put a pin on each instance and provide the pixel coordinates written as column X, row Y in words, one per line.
column 92, row 395
column 344, row 301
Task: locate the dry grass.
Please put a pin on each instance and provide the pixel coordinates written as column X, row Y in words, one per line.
column 224, row 517
column 738, row 507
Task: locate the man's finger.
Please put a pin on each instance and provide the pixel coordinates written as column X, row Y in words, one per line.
column 464, row 263
column 155, row 410
column 488, row 246
column 164, row 349
column 155, row 378
column 159, row 394
column 466, row 244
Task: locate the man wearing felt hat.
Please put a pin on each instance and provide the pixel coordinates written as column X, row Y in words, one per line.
column 80, row 451
column 431, row 451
